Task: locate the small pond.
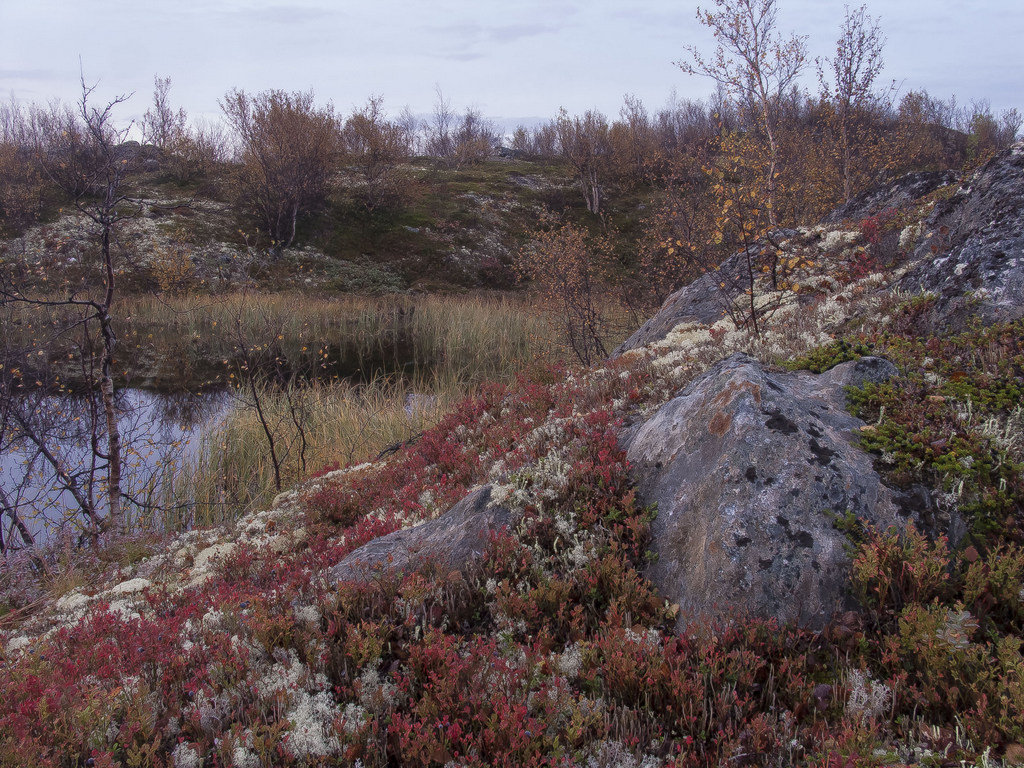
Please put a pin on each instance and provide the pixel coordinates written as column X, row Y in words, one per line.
column 160, row 432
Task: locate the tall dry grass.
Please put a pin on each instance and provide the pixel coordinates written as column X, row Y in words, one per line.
column 409, row 360
column 468, row 337
column 361, row 374
column 231, row 472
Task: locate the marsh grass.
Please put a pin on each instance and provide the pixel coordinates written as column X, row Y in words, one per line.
column 373, row 372
column 197, row 341
column 232, row 473
column 357, row 373
column 175, row 343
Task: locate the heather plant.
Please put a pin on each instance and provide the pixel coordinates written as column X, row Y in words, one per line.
column 820, row 359
column 949, row 421
column 896, row 568
column 950, row 654
column 946, row 619
column 925, row 441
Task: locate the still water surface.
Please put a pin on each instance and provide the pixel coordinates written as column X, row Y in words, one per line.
column 160, row 433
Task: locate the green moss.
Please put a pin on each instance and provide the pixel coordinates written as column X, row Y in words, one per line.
column 821, row 359
column 920, row 439
column 851, row 527
column 928, row 427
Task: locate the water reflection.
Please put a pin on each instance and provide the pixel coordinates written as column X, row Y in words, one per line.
column 168, row 413
column 187, row 410
column 160, row 433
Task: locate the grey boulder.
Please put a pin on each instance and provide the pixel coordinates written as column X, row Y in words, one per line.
column 701, row 301
column 706, row 300
column 453, row 541
column 750, row 471
column 897, row 194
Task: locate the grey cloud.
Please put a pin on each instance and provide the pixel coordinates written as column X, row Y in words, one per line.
column 503, row 33
column 276, row 13
column 287, row 14
column 654, row 19
column 460, row 56
column 468, row 29
column 463, row 42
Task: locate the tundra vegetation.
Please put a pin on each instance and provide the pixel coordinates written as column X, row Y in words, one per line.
column 399, row 312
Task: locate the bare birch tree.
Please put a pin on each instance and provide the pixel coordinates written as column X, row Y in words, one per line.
column 755, row 65
column 162, row 126
column 83, row 152
column 850, row 88
column 287, row 147
column 584, row 143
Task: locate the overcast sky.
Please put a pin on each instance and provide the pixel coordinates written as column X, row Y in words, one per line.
column 512, row 59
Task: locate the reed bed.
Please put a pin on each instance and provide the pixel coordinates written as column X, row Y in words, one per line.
column 378, row 371
column 232, row 471
column 341, row 378
column 469, row 337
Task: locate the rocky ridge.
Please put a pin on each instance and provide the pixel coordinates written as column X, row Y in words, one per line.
column 971, row 253
column 964, row 248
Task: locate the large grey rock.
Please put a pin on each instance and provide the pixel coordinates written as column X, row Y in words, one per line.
column 973, row 255
column 705, row 300
column 749, row 470
column 453, row 541
column 896, row 194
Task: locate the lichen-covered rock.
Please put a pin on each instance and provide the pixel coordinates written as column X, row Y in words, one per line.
column 710, row 297
column 972, row 254
column 453, row 541
column 706, row 300
column 702, row 301
column 750, row 471
column 896, row 194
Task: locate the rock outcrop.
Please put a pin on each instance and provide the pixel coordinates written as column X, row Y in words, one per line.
column 972, row 256
column 751, row 470
column 453, row 541
column 702, row 301
column 898, row 193
column 705, row 300
column 753, row 473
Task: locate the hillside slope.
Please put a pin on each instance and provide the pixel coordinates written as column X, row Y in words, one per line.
column 531, row 629
column 449, row 229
